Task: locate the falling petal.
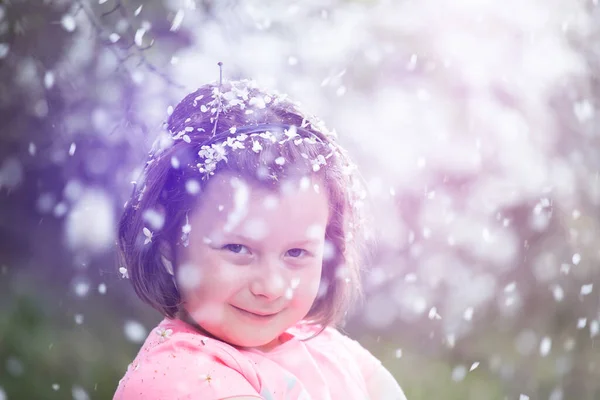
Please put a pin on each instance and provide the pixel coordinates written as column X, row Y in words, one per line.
column 594, row 328
column 148, row 235
column 468, row 314
column 177, row 21
column 139, row 36
column 135, row 331
column 68, row 23
column 155, row 219
column 558, row 293
column 4, row 48
column 587, row 289
column 545, row 346
column 49, row 79
column 458, row 373
column 79, row 393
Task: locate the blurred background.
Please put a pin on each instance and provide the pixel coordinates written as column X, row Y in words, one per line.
column 475, row 125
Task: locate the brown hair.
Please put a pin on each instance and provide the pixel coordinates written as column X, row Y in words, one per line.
column 221, row 112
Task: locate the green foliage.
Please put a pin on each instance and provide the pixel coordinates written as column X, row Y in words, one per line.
column 40, row 352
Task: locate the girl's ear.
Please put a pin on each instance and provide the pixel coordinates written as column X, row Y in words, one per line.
column 166, row 257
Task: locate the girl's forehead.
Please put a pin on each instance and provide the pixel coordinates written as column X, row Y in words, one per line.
column 230, row 203
column 230, row 186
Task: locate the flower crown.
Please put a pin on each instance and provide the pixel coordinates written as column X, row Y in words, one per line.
column 252, row 138
column 220, row 145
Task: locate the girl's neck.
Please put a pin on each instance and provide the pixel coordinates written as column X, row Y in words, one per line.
column 184, row 316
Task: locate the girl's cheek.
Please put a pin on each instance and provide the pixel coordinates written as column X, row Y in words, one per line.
column 314, row 285
column 231, row 274
column 190, row 277
column 208, row 312
column 306, row 286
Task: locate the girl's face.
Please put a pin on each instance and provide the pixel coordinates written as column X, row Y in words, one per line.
column 253, row 265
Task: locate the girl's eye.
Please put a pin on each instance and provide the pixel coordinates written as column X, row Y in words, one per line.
column 296, row 253
column 237, row 248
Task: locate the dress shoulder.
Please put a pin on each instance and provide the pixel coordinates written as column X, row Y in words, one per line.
column 367, row 362
column 178, row 363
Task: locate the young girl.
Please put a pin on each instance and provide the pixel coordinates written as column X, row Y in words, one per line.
column 244, row 235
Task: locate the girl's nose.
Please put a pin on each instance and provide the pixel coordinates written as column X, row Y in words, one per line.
column 269, row 282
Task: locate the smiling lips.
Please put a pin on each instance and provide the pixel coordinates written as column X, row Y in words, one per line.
column 256, row 314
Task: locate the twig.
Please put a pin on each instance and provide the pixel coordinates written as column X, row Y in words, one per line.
column 214, row 132
column 139, row 51
column 117, row 6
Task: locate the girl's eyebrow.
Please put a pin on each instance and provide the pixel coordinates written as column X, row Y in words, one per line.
column 236, row 237
column 304, row 243
column 245, row 239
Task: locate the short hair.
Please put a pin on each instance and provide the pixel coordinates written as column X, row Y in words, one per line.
column 220, row 112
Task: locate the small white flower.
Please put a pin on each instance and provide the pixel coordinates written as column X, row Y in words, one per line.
column 317, row 162
column 256, row 146
column 291, row 133
column 219, row 152
column 164, row 333
column 234, row 143
column 268, row 135
column 124, row 272
column 148, row 235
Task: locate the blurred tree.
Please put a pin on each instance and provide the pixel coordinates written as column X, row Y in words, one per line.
column 493, row 261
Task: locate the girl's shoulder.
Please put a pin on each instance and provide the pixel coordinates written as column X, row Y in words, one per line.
column 178, row 362
column 333, row 341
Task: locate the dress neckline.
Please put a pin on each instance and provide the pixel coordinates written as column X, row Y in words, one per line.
column 286, row 338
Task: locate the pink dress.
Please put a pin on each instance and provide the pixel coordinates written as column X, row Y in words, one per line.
column 176, row 362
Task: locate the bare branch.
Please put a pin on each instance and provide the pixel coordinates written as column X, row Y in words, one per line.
column 116, row 7
column 137, row 51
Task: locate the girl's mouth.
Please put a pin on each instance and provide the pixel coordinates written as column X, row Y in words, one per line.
column 254, row 316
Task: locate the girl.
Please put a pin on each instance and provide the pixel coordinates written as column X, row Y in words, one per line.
column 244, row 235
